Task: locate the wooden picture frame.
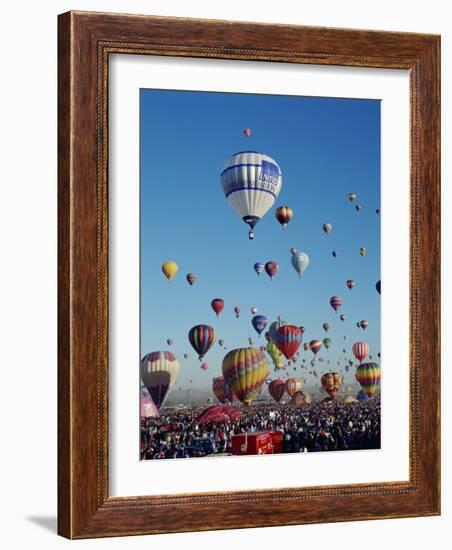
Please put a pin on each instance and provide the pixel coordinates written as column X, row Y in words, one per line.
column 86, row 40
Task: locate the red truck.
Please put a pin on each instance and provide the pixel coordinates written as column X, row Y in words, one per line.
column 257, row 443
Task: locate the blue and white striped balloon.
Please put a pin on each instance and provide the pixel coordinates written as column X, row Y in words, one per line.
column 259, row 268
column 251, row 182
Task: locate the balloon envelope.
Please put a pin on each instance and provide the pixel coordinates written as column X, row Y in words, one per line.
column 288, row 340
column 251, row 183
column 170, row 269
column 201, row 337
column 245, row 370
column 276, row 389
column 259, row 323
column 300, row 262
column 159, row 370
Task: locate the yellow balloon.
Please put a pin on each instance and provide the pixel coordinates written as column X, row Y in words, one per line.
column 170, row 269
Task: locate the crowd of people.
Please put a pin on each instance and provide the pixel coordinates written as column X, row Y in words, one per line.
column 322, row 426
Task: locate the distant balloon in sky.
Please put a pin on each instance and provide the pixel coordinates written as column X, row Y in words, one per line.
column 326, row 327
column 271, row 269
column 378, row 287
column 204, row 366
column 259, row 268
column 217, row 305
column 362, row 251
column 284, row 214
column 300, row 262
column 360, row 350
column 169, row 341
column 185, row 355
column 254, row 310
column 191, row 278
column 377, row 211
column 327, row 228
column 201, row 337
column 247, row 132
column 315, row 346
column 251, row 191
column 237, row 311
column 306, row 346
column 220, row 342
column 350, row 283
column 302, row 329
column 351, row 197
column 363, row 324
column 170, row 269
column 327, row 342
column 334, row 254
column 342, row 317
column 358, row 207
column 259, row 323
column 336, row 302
column 293, row 250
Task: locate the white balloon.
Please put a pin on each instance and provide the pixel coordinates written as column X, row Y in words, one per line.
column 251, row 183
column 300, row 262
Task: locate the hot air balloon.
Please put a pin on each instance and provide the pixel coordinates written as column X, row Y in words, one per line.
column 334, row 254
column 300, row 262
column 284, row 214
column 259, row 323
column 361, row 396
column 191, row 278
column 327, row 228
column 360, row 350
column 351, row 197
column 306, row 346
column 170, row 269
column 220, row 342
column 217, row 305
column 349, row 399
column 185, row 355
column 247, row 132
column 342, row 317
column 258, row 268
column 350, row 284
column 271, row 269
column 245, row 370
column 237, row 311
column 272, row 350
column 274, row 327
column 331, row 383
column 377, row 211
column 378, row 287
column 204, row 366
column 358, row 207
column 169, row 341
column 368, row 375
column 159, row 370
column 314, row 346
column 250, row 340
column 293, row 250
column 362, row 251
column 278, row 361
column 201, row 337
column 253, row 310
column 288, row 340
column 218, row 389
column 358, row 325
column 276, row 389
column 293, row 385
column 302, row 329
column 335, row 302
column 300, row 398
column 327, row 342
column 251, row 183
column 326, row 327
column 363, row 324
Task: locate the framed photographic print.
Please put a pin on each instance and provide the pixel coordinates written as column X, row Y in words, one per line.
column 231, row 196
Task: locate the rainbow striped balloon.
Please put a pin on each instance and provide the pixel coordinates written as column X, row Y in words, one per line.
column 369, row 375
column 201, row 337
column 245, row 370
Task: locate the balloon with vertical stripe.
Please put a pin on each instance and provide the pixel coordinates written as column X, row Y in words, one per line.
column 245, row 370
column 201, row 337
column 369, row 375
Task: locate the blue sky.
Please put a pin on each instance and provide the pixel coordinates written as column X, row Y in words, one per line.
column 326, row 148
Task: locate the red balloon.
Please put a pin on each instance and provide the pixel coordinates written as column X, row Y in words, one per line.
column 360, row 350
column 217, row 305
column 288, row 340
column 276, row 389
column 271, row 269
